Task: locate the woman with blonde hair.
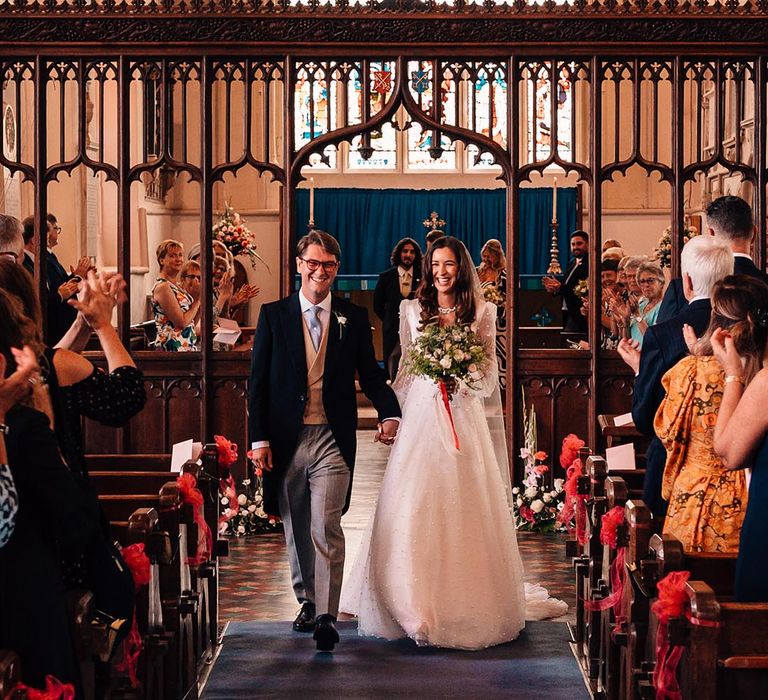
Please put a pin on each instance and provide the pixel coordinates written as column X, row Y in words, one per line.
column 492, row 273
column 175, row 310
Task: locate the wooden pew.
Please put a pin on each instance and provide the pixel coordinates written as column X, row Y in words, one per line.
column 10, row 671
column 726, row 646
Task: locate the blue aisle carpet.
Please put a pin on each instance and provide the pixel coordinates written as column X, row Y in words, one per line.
column 267, row 659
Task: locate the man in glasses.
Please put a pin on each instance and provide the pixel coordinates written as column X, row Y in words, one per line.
column 302, row 418
column 11, row 240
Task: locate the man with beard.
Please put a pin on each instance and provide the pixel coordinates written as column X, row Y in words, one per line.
column 574, row 322
column 395, row 284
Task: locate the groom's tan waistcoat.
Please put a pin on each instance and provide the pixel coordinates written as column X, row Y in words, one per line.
column 314, row 413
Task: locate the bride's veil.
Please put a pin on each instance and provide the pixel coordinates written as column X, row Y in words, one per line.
column 494, row 412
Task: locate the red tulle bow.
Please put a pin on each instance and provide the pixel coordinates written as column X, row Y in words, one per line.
column 610, row 523
column 54, row 690
column 138, row 562
column 574, row 503
column 191, row 495
column 227, row 451
column 447, row 404
column 570, row 450
column 672, row 602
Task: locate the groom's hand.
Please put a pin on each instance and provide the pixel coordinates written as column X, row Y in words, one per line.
column 387, row 431
column 262, row 457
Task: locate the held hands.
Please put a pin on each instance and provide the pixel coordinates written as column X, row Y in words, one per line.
column 387, row 432
column 262, row 458
column 725, row 351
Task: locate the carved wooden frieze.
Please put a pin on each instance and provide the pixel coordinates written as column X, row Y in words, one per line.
column 380, row 29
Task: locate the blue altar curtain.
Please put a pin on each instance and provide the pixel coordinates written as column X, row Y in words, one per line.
column 368, row 223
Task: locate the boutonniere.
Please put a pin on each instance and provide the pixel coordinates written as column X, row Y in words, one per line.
column 342, row 320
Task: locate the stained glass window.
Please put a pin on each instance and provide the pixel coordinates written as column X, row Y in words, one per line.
column 539, row 122
column 486, row 113
column 314, row 109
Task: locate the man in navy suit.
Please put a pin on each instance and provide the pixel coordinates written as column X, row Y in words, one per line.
column 578, row 269
column 395, row 284
column 704, row 261
column 302, row 418
column 729, row 219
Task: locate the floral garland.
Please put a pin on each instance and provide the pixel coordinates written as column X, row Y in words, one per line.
column 232, row 232
column 662, row 253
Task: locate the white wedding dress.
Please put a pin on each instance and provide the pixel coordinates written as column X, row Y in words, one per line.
column 439, row 562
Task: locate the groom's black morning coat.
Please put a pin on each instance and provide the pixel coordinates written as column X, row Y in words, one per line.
column 278, row 384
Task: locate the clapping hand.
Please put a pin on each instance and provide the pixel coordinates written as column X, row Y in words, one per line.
column 68, row 289
column 98, row 296
column 243, row 294
column 724, row 350
column 690, row 337
column 82, row 267
column 629, row 350
column 551, row 284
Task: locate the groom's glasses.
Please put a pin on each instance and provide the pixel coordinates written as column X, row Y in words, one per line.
column 328, row 266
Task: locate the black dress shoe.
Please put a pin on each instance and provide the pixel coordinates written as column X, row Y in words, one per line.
column 325, row 634
column 305, row 620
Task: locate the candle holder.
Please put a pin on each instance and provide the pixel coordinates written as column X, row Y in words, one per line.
column 311, row 225
column 554, row 253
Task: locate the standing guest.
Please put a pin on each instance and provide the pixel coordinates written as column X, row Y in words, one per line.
column 729, row 219
column 395, row 284
column 302, row 418
column 28, row 233
column 610, row 243
column 650, row 281
column 704, row 262
column 578, row 269
column 11, row 238
column 707, row 501
column 62, row 285
column 175, row 310
column 492, row 272
column 741, row 440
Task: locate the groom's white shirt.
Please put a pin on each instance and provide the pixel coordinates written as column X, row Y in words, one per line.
column 324, row 317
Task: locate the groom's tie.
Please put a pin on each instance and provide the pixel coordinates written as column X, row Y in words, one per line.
column 315, row 329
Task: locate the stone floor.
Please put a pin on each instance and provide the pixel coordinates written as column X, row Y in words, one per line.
column 255, row 581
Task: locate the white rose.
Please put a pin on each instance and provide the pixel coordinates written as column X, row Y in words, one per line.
column 519, row 502
column 516, row 490
column 260, row 513
column 257, row 500
column 559, row 483
column 251, row 508
column 458, row 356
column 445, row 362
column 531, row 492
column 225, row 501
column 553, row 494
column 241, row 529
column 537, row 506
column 242, row 499
column 547, row 498
column 243, row 512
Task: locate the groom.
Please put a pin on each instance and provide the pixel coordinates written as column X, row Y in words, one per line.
column 302, row 418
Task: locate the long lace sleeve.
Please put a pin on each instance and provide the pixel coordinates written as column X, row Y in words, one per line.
column 486, row 331
column 9, row 504
column 404, row 378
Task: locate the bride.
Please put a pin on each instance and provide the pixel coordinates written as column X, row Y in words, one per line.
column 439, row 562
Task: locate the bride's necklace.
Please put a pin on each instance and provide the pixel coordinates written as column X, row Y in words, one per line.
column 445, row 311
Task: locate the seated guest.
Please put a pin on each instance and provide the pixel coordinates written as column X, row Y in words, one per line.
column 741, row 440
column 704, row 261
column 226, row 299
column 707, row 501
column 175, row 310
column 11, row 238
column 53, row 522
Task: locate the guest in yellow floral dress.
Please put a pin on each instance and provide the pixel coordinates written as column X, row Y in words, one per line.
column 707, row 501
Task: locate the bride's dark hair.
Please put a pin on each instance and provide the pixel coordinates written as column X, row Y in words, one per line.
column 427, row 293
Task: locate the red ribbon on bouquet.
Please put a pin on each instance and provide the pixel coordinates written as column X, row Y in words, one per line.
column 138, row 562
column 54, row 690
column 191, row 495
column 447, row 404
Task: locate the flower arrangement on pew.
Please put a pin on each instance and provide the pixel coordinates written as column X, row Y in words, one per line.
column 535, row 506
column 232, row 232
column 662, row 253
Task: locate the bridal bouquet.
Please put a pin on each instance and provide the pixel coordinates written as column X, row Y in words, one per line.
column 443, row 353
column 663, row 251
column 232, row 232
column 491, row 293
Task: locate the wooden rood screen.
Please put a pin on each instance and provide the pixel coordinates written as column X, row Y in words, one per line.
column 146, row 93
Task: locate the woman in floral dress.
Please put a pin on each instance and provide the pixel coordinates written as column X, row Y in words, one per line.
column 175, row 310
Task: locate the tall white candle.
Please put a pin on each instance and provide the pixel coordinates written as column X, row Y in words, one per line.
column 554, row 200
column 312, row 201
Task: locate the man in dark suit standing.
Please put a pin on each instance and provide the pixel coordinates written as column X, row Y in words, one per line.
column 574, row 322
column 302, row 418
column 730, row 220
column 705, row 260
column 395, row 284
